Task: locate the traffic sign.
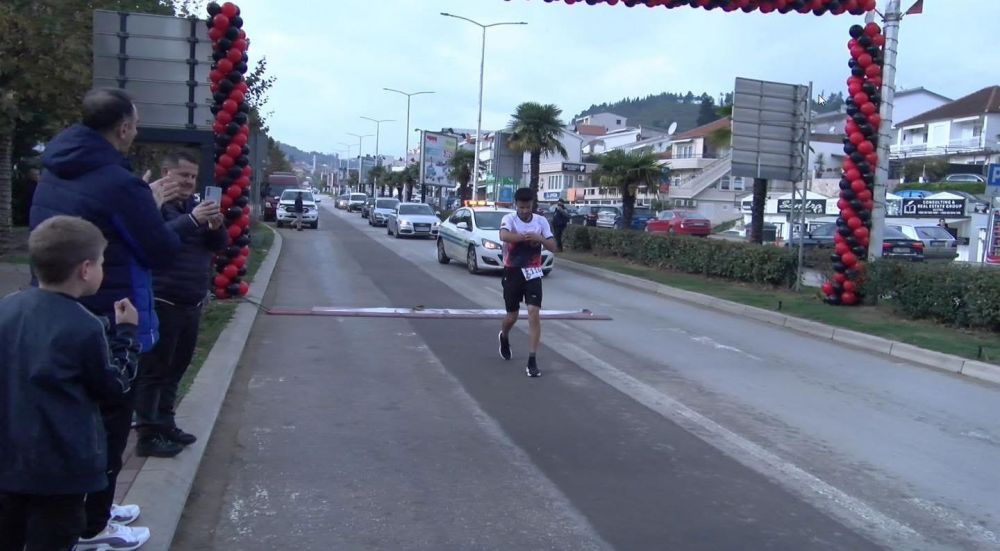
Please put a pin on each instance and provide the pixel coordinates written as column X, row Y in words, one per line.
column 993, row 175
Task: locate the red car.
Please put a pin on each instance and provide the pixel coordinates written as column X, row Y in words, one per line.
column 676, row 222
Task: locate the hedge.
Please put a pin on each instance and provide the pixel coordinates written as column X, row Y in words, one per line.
column 711, row 257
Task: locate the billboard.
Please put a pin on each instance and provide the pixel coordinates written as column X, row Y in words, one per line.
column 770, row 130
column 436, row 152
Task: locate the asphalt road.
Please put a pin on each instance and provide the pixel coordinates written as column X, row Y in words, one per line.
column 671, row 427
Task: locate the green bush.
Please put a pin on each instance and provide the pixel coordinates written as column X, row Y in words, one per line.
column 717, row 258
column 955, row 293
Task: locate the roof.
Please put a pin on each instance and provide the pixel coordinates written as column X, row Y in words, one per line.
column 705, row 129
column 591, row 130
column 921, row 89
column 984, row 101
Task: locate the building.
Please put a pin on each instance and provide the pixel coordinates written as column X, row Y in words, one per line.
column 609, row 121
column 966, row 131
column 617, row 139
column 916, row 101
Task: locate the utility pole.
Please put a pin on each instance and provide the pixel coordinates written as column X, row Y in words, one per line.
column 423, row 187
column 361, row 175
column 893, row 15
column 378, row 160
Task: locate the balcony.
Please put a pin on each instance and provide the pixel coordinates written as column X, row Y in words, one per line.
column 965, row 145
column 692, row 162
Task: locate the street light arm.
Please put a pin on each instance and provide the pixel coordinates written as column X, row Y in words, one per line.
column 505, row 23
column 463, row 18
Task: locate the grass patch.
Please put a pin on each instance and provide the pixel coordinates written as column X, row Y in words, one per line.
column 873, row 320
column 261, row 240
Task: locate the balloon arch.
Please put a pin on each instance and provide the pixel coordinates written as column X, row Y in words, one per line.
column 867, row 50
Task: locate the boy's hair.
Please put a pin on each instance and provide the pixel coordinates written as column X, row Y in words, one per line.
column 524, row 195
column 60, row 244
column 173, row 159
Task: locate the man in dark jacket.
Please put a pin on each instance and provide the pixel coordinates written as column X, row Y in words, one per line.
column 56, row 364
column 180, row 291
column 87, row 175
column 560, row 219
column 299, row 210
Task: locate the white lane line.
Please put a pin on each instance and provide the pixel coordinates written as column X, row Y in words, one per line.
column 719, row 346
column 834, row 501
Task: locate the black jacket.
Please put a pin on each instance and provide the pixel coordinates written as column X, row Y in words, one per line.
column 56, row 365
column 185, row 281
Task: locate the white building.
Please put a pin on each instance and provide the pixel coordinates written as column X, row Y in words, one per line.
column 966, row 130
column 916, row 101
column 609, row 121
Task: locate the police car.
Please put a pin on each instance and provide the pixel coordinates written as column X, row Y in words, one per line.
column 472, row 234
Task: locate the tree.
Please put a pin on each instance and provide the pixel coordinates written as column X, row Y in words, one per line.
column 276, row 159
column 706, row 112
column 721, row 138
column 460, row 168
column 628, row 171
column 536, row 129
column 377, row 172
column 410, row 175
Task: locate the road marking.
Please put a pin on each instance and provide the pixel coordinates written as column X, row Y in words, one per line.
column 719, row 346
column 834, row 501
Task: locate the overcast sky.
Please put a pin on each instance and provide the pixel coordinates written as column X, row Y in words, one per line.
column 332, row 59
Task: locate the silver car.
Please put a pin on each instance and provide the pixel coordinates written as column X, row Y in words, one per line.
column 383, row 207
column 939, row 244
column 412, row 220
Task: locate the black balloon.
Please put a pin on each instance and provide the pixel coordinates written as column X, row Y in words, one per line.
column 860, row 118
column 225, row 44
column 234, row 212
column 833, row 300
column 872, row 51
column 218, row 54
column 851, row 240
column 850, row 149
column 213, row 9
column 858, row 72
column 857, row 157
column 245, row 58
column 242, row 271
column 243, row 201
column 845, row 231
column 243, row 241
column 236, row 22
column 859, row 251
column 232, row 33
column 852, row 63
column 215, row 109
column 244, row 107
column 867, row 130
column 864, row 167
column 235, row 77
column 856, row 204
column 242, row 160
column 225, row 87
column 235, row 172
column 221, row 262
column 222, row 141
column 848, row 194
column 864, row 215
column 242, row 68
column 232, row 128
column 219, row 97
column 245, row 150
column 852, row 274
column 857, row 31
column 834, row 257
column 839, row 267
column 841, row 223
column 232, row 251
column 233, row 289
column 845, row 184
column 240, row 118
column 851, row 111
column 865, row 41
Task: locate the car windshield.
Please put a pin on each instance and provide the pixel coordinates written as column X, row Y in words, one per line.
column 289, row 195
column 489, row 220
column 824, row 230
column 665, row 214
column 279, row 189
column 933, row 232
column 692, row 215
column 642, row 212
column 416, row 209
column 386, row 203
column 358, row 197
column 893, row 233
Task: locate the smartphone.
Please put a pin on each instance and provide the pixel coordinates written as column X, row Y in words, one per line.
column 214, row 194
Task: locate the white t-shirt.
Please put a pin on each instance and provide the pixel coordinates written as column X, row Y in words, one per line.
column 524, row 254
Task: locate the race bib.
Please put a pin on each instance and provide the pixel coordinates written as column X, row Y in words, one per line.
column 531, row 273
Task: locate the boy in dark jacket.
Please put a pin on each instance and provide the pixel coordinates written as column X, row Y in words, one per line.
column 56, row 364
column 180, row 290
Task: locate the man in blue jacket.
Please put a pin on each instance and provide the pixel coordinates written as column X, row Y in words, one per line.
column 87, row 175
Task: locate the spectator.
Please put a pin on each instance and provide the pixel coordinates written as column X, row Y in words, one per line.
column 560, row 219
column 56, row 364
column 180, row 292
column 299, row 209
column 86, row 174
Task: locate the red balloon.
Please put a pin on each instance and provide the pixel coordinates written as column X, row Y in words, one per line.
column 855, row 88
column 865, row 195
column 856, row 138
column 869, row 109
column 868, row 205
column 861, row 98
column 861, row 233
column 876, row 81
column 245, row 130
column 838, row 277
column 865, row 60
column 244, row 288
column 216, row 75
column 865, row 147
column 871, row 70
column 226, row 161
column 218, row 127
column 235, row 231
column 224, row 118
column 221, row 280
column 857, row 52
column 221, row 293
column 243, row 222
column 848, row 213
column 875, row 120
column 852, row 43
column 220, row 22
column 242, row 181
column 873, row 29
column 872, row 159
column 849, row 298
column 226, row 202
column 230, row 106
column 234, row 192
column 242, row 87
column 240, row 139
column 237, row 95
column 849, row 260
column 878, row 40
column 243, row 34
column 225, row 66
column 231, row 272
column 853, row 174
column 215, row 34
column 246, row 210
column 240, row 261
column 247, row 171
column 857, row 186
column 827, row 288
column 854, row 223
column 233, row 150
column 245, row 251
column 229, row 9
column 214, row 87
column 842, row 204
column 240, row 44
column 850, row 286
column 842, row 248
column 234, row 55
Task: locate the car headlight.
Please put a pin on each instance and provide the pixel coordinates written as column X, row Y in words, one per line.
column 405, row 223
column 491, row 245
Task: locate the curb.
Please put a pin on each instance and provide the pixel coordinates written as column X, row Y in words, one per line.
column 906, row 352
column 162, row 486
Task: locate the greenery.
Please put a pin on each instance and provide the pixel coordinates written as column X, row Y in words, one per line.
column 460, row 168
column 737, row 261
column 657, row 110
column 628, row 171
column 536, row 129
column 879, row 320
column 968, row 187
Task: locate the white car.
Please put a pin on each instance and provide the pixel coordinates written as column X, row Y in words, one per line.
column 472, row 234
column 383, row 207
column 285, row 212
column 412, row 220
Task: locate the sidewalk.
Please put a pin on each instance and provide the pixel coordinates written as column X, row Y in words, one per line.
column 13, row 277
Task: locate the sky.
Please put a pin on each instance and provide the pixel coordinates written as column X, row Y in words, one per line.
column 332, row 59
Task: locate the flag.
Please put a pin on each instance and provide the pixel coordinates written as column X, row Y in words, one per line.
column 917, row 7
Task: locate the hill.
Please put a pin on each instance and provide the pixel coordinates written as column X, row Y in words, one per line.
column 296, row 155
column 658, row 110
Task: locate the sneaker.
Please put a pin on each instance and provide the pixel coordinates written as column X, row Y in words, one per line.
column 114, row 537
column 177, row 435
column 157, row 446
column 532, row 369
column 504, row 346
column 124, row 514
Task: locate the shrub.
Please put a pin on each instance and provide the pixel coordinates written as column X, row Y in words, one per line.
column 953, row 293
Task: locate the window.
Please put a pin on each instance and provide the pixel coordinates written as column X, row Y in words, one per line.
column 684, row 151
column 618, row 122
column 739, row 184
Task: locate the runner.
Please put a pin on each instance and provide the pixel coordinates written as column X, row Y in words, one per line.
column 523, row 233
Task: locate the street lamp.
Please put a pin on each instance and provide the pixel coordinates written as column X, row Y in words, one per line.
column 482, row 62
column 361, row 139
column 378, row 161
column 347, row 170
column 423, row 188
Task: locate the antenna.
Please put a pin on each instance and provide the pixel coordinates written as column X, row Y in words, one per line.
column 672, row 128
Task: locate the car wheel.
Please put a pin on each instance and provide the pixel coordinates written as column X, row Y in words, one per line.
column 388, row 230
column 471, row 262
column 315, row 225
column 546, row 272
column 398, row 236
column 442, row 256
column 277, row 224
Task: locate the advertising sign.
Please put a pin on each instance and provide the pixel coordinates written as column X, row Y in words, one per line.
column 930, row 208
column 992, row 255
column 813, row 206
column 769, row 130
column 436, row 153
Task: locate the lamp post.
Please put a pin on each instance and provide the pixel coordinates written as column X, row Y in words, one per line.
column 361, row 139
column 482, row 62
column 378, row 161
column 347, row 171
column 423, row 188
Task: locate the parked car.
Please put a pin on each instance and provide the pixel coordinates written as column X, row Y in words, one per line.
column 894, row 243
column 607, row 215
column 367, row 207
column 276, row 185
column 381, row 210
column 472, row 235
column 412, row 220
column 286, row 208
column 589, row 213
column 356, row 201
column 640, row 216
column 343, row 201
column 938, row 243
column 973, row 178
column 679, row 222
column 574, row 216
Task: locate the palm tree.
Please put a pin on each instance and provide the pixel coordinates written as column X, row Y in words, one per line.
column 535, row 129
column 460, row 168
column 628, row 171
column 410, row 176
column 377, row 172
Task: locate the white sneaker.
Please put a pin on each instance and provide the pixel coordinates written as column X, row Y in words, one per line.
column 115, row 537
column 124, row 514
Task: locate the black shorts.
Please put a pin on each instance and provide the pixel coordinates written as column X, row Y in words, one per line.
column 516, row 289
